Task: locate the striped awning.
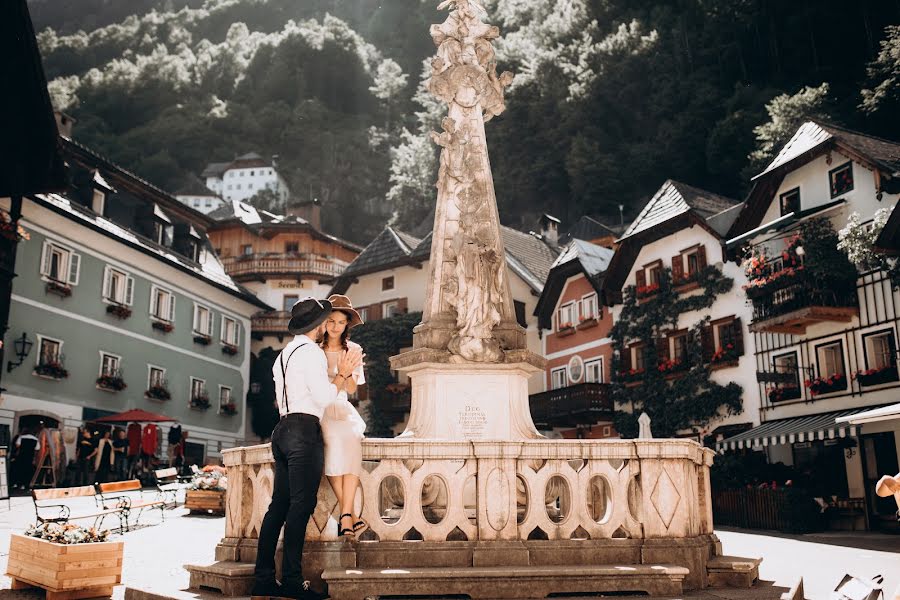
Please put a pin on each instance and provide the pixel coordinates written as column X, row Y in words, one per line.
column 797, row 429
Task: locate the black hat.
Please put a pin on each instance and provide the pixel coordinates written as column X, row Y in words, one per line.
column 307, row 313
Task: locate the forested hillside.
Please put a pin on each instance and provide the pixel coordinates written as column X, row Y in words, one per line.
column 611, row 97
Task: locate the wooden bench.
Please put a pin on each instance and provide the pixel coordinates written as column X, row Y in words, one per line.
column 169, row 483
column 49, row 499
column 113, row 495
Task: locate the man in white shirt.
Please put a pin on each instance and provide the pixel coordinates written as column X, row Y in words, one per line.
column 302, row 393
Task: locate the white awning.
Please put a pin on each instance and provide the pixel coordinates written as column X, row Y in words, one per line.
column 821, row 426
column 885, row 413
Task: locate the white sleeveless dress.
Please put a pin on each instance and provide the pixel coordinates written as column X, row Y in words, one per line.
column 343, row 428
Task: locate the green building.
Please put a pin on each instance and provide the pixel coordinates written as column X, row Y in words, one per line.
column 122, row 303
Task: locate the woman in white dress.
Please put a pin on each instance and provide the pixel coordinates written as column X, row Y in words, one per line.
column 342, row 427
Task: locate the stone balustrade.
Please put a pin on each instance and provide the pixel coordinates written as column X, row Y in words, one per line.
column 438, row 491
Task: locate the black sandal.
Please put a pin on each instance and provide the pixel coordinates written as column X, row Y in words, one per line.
column 345, row 530
column 360, row 526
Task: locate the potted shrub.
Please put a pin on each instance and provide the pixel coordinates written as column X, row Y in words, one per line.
column 61, row 558
column 206, row 493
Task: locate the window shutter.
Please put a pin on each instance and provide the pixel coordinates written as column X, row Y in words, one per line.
column 402, row 305
column 222, row 329
column 738, row 334
column 639, row 279
column 706, row 343
column 626, row 359
column 107, row 279
column 677, row 268
column 153, row 307
column 129, row 290
column 701, row 258
column 74, row 268
column 375, row 312
column 171, row 308
column 46, row 257
column 197, row 318
column 662, row 348
column 209, row 323
column 237, row 328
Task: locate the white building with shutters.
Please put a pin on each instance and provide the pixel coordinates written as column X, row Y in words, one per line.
column 682, row 230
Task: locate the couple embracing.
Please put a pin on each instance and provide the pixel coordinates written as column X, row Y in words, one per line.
column 319, row 430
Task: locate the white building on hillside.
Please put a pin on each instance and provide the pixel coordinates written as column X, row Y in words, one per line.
column 243, row 177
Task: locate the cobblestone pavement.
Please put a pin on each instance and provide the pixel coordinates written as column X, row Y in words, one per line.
column 154, row 556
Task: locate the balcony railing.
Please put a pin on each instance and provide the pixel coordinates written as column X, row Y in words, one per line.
column 792, row 304
column 255, row 266
column 270, row 323
column 580, row 404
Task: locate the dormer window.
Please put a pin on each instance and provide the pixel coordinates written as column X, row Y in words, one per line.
column 790, row 202
column 841, row 179
column 98, row 202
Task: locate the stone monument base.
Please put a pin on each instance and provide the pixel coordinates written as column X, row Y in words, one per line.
column 469, row 401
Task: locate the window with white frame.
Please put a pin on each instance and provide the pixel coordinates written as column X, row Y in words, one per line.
column 109, row 364
column 566, row 316
column 593, row 371
column 224, row 395
column 879, row 350
column 118, row 286
column 98, row 202
column 638, row 357
column 390, row 309
column 830, row 358
column 156, row 377
column 363, row 313
column 60, row 264
column 162, row 304
column 558, row 378
column 198, row 388
column 679, row 347
column 589, row 307
column 229, row 331
column 203, row 320
column 50, row 351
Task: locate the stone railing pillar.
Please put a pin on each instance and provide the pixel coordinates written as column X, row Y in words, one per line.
column 496, row 489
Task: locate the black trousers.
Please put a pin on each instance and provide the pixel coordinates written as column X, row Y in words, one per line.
column 299, row 453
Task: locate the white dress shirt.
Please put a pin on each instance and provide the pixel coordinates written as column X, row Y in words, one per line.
column 308, row 388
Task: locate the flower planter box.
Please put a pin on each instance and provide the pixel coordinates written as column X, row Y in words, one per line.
column 878, row 378
column 159, row 394
column 66, row 571
column 566, row 331
column 723, row 364
column 588, row 323
column 163, row 326
column 203, row 340
column 60, row 289
column 229, row 349
column 117, row 310
column 827, row 385
column 205, row 501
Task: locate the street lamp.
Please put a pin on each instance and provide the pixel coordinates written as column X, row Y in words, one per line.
column 22, row 347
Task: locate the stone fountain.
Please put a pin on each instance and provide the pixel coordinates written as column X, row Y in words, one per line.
column 470, row 499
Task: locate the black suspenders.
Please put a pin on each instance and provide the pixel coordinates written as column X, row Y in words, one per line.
column 284, row 374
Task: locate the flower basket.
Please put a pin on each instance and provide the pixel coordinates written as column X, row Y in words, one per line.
column 200, row 402
column 646, row 291
column 202, row 339
column 59, row 288
column 228, row 409
column 113, row 383
column 158, row 392
column 826, row 385
column 51, row 370
column 118, row 310
column 229, row 349
column 163, row 326
column 78, row 563
column 880, row 376
column 207, row 491
column 780, row 394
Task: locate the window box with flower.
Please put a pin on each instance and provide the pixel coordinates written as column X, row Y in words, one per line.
column 725, row 357
column 158, row 391
column 631, row 376
column 587, row 321
column 878, row 376
column 163, row 326
column 229, row 408
column 782, row 393
column 51, row 369
column 646, row 291
column 202, row 339
column 118, row 310
column 58, row 288
column 200, row 401
column 565, row 329
column 826, row 385
column 229, row 349
column 111, row 382
column 672, row 368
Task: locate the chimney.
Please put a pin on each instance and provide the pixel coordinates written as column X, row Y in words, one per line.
column 310, row 210
column 64, row 123
column 550, row 230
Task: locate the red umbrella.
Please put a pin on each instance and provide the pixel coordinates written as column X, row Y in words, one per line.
column 134, row 415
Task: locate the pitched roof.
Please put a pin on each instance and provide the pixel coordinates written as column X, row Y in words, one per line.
column 591, row 228
column 578, row 256
column 593, row 258
column 723, row 221
column 389, row 248
column 673, row 199
column 215, row 169
column 883, row 153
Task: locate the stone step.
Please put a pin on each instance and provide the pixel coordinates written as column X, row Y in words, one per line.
column 733, row 571
column 227, row 577
column 504, row 582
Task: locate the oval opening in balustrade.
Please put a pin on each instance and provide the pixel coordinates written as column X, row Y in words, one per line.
column 521, row 500
column 434, row 499
column 599, row 499
column 558, row 499
column 391, row 499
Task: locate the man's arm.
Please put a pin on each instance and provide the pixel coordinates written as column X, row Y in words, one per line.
column 316, row 372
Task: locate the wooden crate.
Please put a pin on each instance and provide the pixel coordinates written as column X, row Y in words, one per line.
column 205, row 501
column 66, row 571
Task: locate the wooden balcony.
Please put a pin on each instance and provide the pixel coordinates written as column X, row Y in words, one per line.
column 259, row 267
column 581, row 404
column 796, row 303
column 270, row 323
